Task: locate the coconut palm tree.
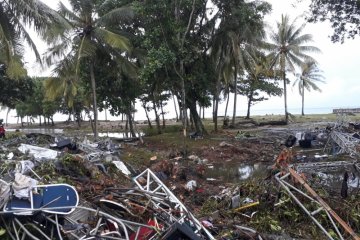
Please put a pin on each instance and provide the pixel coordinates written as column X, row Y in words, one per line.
column 90, row 33
column 307, row 79
column 288, row 48
column 236, row 38
column 15, row 17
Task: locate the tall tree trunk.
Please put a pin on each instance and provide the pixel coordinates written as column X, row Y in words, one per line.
column 126, row 123
column 7, row 115
column 131, row 122
column 283, row 72
column 227, row 104
column 105, row 114
column 302, row 100
column 213, row 109
column 180, row 109
column 78, row 119
column 285, row 99
column 203, row 113
column 183, row 100
column 181, row 74
column 216, row 105
column 147, row 115
column 235, row 97
column 162, row 114
column 93, row 86
column 157, row 119
column 191, row 121
column 39, row 120
column 133, row 114
column 176, row 112
column 216, row 115
column 73, row 113
column 248, row 107
column 199, row 127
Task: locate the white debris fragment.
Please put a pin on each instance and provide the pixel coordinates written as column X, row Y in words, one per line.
column 24, row 167
column 10, row 156
column 22, row 185
column 121, row 166
column 191, row 185
column 39, row 153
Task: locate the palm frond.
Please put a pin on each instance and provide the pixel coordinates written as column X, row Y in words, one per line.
column 300, row 40
column 116, row 16
column 56, row 52
column 114, row 40
column 290, row 62
column 68, row 14
column 15, row 68
column 309, row 49
column 7, row 47
column 29, row 40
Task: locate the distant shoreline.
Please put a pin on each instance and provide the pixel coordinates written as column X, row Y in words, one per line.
column 117, row 125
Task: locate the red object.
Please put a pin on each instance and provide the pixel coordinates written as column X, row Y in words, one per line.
column 200, row 190
column 2, row 131
column 145, row 233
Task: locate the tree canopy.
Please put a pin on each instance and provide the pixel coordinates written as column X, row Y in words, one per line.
column 110, row 54
column 343, row 15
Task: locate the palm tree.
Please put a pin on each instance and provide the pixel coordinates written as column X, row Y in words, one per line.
column 90, row 33
column 15, row 16
column 233, row 44
column 225, row 56
column 288, row 49
column 310, row 74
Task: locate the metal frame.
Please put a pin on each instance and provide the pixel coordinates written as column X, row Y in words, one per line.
column 155, row 186
column 19, row 230
column 323, row 165
column 315, row 198
column 346, row 142
column 158, row 197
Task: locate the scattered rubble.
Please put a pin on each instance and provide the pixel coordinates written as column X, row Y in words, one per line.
column 54, row 187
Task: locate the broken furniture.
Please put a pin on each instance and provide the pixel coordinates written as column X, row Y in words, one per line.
column 54, row 198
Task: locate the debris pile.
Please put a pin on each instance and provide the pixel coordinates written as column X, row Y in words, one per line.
column 54, row 187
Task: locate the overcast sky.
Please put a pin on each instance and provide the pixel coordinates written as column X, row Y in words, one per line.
column 339, row 63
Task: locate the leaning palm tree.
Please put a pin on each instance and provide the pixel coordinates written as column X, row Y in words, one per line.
column 288, row 48
column 90, row 33
column 15, row 17
column 307, row 79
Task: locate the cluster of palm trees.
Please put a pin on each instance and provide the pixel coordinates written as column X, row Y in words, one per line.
column 289, row 49
column 78, row 35
column 74, row 36
column 285, row 49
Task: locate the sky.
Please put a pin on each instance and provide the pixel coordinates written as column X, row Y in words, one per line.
column 339, row 63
